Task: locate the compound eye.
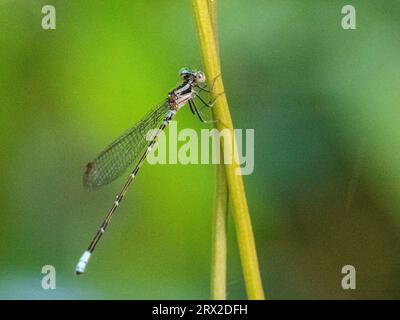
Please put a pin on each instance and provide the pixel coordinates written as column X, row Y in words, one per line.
column 200, row 76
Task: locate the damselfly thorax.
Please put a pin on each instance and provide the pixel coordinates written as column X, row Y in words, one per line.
column 179, row 96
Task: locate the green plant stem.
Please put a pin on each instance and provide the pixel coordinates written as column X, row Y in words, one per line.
column 219, row 241
column 212, row 8
column 220, row 216
column 241, row 215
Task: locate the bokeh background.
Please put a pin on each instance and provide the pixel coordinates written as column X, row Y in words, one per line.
column 324, row 103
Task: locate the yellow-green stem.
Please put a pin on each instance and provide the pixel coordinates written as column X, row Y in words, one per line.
column 220, row 216
column 219, row 246
column 241, row 215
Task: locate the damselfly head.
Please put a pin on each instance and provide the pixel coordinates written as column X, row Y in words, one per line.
column 197, row 76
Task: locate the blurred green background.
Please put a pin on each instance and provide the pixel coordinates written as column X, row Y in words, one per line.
column 324, row 103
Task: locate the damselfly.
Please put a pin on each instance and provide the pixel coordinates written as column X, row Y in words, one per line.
column 132, row 147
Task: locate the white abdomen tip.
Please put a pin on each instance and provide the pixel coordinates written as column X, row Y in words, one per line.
column 83, row 261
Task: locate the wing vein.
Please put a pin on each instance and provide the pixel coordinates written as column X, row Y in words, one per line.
column 123, row 151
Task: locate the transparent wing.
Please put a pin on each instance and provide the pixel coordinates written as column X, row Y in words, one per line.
column 124, row 151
